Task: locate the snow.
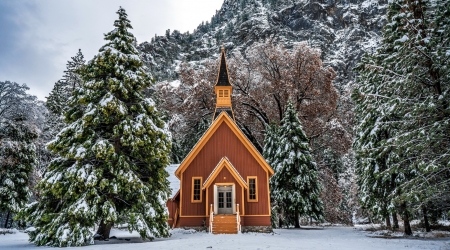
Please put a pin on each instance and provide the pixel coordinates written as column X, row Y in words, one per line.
column 174, row 181
column 335, row 238
column 175, row 83
column 403, row 39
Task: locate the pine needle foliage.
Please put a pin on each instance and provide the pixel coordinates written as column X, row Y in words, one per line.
column 17, row 160
column 295, row 186
column 271, row 143
column 112, row 154
column 403, row 112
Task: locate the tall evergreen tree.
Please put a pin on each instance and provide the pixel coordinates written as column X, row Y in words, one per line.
column 17, row 159
column 269, row 152
column 112, row 155
column 408, row 83
column 295, row 185
column 373, row 131
column 57, row 101
column 271, row 143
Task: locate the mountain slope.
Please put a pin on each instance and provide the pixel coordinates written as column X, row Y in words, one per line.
column 343, row 29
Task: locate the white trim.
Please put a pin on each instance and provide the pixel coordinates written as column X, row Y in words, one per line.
column 216, row 203
column 233, row 198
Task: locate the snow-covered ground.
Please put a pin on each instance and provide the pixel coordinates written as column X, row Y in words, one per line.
column 329, row 238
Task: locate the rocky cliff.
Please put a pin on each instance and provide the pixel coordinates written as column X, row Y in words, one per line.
column 343, row 29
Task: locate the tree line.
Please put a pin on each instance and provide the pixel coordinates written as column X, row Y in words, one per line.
column 95, row 152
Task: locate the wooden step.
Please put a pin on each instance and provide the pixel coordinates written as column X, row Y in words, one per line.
column 224, row 224
column 224, row 228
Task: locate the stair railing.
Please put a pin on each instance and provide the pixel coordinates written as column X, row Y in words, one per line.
column 211, row 218
column 238, row 219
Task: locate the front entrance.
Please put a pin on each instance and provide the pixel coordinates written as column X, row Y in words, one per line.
column 224, row 200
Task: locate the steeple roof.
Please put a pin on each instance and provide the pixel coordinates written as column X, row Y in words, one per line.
column 222, row 78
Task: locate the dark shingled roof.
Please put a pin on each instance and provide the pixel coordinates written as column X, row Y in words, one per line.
column 223, row 109
column 223, row 74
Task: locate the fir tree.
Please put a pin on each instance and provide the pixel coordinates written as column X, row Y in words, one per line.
column 57, row 101
column 406, row 85
column 375, row 182
column 112, row 155
column 295, row 185
column 271, row 143
column 17, row 160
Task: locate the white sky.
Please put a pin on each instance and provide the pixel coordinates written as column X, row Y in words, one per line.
column 38, row 37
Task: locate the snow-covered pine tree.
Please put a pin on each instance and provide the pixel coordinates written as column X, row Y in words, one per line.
column 414, row 92
column 57, row 104
column 419, row 86
column 271, row 145
column 57, row 101
column 375, row 182
column 113, row 154
column 17, row 159
column 295, row 185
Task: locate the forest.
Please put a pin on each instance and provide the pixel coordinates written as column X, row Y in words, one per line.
column 376, row 147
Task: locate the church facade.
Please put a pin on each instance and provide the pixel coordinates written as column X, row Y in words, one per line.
column 224, row 180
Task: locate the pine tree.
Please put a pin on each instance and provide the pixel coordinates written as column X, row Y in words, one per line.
column 295, row 185
column 57, row 101
column 373, row 130
column 271, row 143
column 112, row 155
column 17, row 159
column 270, row 148
column 408, row 85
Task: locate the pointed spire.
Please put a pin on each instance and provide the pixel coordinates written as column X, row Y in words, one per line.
column 222, row 78
column 223, row 89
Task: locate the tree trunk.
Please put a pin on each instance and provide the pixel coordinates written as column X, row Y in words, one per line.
column 6, row 221
column 395, row 221
column 297, row 223
column 407, row 226
column 280, row 221
column 104, row 229
column 425, row 219
column 388, row 221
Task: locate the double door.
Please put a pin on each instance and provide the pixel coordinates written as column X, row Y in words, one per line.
column 224, row 199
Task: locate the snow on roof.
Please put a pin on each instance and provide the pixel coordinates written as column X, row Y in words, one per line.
column 174, row 182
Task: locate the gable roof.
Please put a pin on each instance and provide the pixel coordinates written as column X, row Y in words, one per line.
column 223, row 118
column 224, row 163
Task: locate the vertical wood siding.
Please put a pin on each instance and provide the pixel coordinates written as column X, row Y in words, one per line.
column 256, row 220
column 225, row 176
column 224, row 143
column 172, row 207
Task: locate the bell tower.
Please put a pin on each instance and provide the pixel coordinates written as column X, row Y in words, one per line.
column 223, row 89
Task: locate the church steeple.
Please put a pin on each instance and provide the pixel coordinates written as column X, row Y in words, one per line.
column 223, row 89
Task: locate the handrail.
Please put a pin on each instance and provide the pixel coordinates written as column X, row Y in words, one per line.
column 238, row 219
column 175, row 219
column 211, row 218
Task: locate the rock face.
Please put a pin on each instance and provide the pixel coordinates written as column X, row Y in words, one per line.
column 343, row 29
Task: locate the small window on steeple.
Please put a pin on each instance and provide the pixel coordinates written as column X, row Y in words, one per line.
column 220, row 93
column 225, row 93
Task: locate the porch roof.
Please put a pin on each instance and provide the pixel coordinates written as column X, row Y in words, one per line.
column 224, row 163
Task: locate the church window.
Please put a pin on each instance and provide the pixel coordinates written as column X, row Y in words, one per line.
column 252, row 189
column 196, row 189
